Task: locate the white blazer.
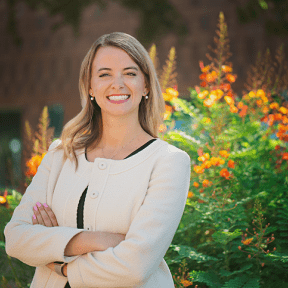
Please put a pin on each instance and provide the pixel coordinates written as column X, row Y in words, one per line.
column 143, row 196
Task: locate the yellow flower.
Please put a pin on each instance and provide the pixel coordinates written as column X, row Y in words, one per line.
column 2, row 200
column 207, row 164
column 203, row 94
column 224, row 153
column 251, row 94
column 198, row 169
column 186, row 283
column 171, row 91
column 265, row 99
column 229, row 100
column 226, row 68
column 213, row 97
column 283, row 110
column 247, row 241
column 260, row 93
column 206, row 69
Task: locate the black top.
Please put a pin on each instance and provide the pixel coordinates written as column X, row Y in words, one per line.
column 80, row 210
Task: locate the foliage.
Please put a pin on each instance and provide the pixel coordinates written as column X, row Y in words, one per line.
column 238, row 178
column 39, row 141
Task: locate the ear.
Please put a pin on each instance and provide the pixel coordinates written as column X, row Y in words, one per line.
column 90, row 91
column 146, row 91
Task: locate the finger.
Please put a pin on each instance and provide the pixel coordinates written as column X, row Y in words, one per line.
column 34, row 221
column 42, row 213
column 51, row 215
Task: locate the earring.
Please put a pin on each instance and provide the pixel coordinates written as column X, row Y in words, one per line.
column 91, row 98
column 146, row 96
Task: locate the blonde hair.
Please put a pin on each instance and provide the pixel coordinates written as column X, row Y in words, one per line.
column 86, row 128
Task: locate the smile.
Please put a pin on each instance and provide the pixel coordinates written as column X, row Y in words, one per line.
column 118, row 99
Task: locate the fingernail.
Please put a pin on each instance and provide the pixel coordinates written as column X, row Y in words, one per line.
column 45, row 205
column 34, row 217
column 35, row 208
column 38, row 204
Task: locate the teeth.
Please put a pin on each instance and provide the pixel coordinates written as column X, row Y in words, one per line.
column 115, row 98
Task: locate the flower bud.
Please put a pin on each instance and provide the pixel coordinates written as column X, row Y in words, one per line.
column 262, row 264
column 228, row 219
column 274, row 249
column 245, row 235
column 249, row 256
column 239, row 247
column 246, row 229
column 268, row 251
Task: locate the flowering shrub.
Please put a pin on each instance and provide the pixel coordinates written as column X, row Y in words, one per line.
column 238, row 148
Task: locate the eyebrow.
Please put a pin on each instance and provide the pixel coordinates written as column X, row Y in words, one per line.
column 127, row 68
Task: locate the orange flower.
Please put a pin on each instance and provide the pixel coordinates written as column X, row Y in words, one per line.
column 213, row 97
column 247, row 241
column 2, row 200
column 277, row 147
column 198, row 169
column 203, row 84
column 190, row 194
column 201, row 190
column 33, row 165
column 225, row 173
column 283, row 110
column 265, row 110
column 229, row 100
column 208, row 103
column 240, row 105
column 207, row 164
column 202, row 158
column 186, row 283
column 210, row 77
column 226, row 68
column 278, row 116
column 202, row 76
column 205, row 183
column 233, row 109
column 285, row 156
column 225, row 86
column 274, row 105
column 215, row 161
column 259, row 102
column 224, row 153
column 204, row 69
column 285, row 119
column 219, row 93
column 231, row 164
column 195, row 184
column 230, row 77
column 203, row 94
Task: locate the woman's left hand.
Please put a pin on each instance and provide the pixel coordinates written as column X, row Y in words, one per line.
column 45, row 216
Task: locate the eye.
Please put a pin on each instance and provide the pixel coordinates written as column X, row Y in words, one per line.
column 131, row 73
column 103, row 74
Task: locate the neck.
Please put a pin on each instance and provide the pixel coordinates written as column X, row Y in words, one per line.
column 117, row 134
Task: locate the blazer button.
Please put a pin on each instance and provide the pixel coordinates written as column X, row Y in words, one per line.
column 102, row 165
column 89, row 228
column 94, row 194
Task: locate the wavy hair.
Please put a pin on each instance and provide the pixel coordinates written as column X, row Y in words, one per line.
column 86, row 128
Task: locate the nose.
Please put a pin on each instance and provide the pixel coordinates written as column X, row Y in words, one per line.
column 118, row 82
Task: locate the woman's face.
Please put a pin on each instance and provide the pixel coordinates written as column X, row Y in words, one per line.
column 115, row 73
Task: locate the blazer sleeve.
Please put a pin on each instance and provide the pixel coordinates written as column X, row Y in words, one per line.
column 150, row 234
column 37, row 245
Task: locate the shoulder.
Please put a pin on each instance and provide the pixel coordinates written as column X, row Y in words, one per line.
column 54, row 144
column 169, row 151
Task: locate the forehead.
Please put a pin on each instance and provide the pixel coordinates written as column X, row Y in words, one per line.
column 112, row 57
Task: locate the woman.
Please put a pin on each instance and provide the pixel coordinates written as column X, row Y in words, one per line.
column 117, row 191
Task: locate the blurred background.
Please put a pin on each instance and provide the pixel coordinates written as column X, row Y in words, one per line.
column 43, row 43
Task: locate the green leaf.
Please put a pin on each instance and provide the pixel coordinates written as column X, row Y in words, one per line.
column 242, row 282
column 188, row 252
column 210, row 278
column 224, row 237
